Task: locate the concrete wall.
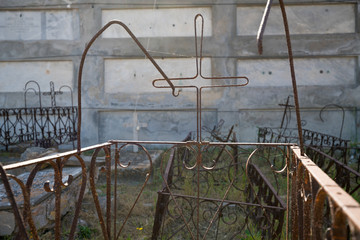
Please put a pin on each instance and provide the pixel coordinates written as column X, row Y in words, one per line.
column 43, row 41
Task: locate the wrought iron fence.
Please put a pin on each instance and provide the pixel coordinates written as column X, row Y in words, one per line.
column 210, row 190
column 200, row 198
column 328, row 152
column 318, row 204
column 44, row 126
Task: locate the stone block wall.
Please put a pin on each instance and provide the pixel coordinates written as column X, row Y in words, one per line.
column 43, row 41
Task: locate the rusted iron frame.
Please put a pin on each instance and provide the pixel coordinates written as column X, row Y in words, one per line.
column 288, row 191
column 343, row 166
column 218, row 210
column 259, row 195
column 198, row 197
column 196, row 148
column 82, row 62
column 220, row 139
column 199, row 57
column 311, row 138
column 162, row 197
column 57, row 188
column 105, row 221
column 15, row 120
column 290, row 57
column 22, row 233
column 281, row 208
column 52, row 157
column 268, row 184
column 345, row 210
column 203, row 143
column 258, row 178
column 38, row 92
column 142, row 188
column 57, row 157
column 287, row 106
column 53, row 94
column 324, row 139
column 42, row 160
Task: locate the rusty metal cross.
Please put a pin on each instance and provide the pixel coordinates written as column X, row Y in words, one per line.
column 199, row 57
column 287, row 107
column 52, row 94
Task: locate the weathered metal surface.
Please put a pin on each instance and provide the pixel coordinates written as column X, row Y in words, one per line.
column 344, row 210
column 44, row 126
column 248, row 198
column 263, row 207
column 199, row 57
column 291, row 60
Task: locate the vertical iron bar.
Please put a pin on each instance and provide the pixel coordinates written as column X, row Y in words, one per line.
column 294, row 199
column 108, row 192
column 300, row 203
column 117, row 159
column 18, row 218
column 163, row 198
column 293, row 77
column 198, row 192
column 288, row 156
column 57, row 190
column 80, row 198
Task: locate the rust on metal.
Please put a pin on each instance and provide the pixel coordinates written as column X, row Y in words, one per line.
column 82, row 62
column 42, row 125
column 199, row 57
column 291, row 60
column 206, row 165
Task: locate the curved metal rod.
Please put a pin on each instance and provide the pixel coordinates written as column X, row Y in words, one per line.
column 29, row 183
column 148, row 174
column 251, row 184
column 26, row 92
column 71, row 92
column 291, row 61
column 261, row 30
column 81, row 195
column 56, row 189
column 343, row 116
column 33, row 81
column 27, row 211
column 222, row 200
column 191, row 148
column 319, row 212
column 95, row 194
column 198, row 55
column 196, row 62
column 172, row 197
column 18, row 218
column 83, row 60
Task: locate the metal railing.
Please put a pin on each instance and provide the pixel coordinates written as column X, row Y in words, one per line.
column 254, row 182
column 296, row 201
column 318, row 203
column 44, row 126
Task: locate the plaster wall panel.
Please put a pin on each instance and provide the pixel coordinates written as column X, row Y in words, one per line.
column 39, row 25
column 303, row 19
column 167, row 22
column 151, row 125
column 309, row 71
column 62, row 25
column 136, row 75
column 14, row 75
column 16, row 25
